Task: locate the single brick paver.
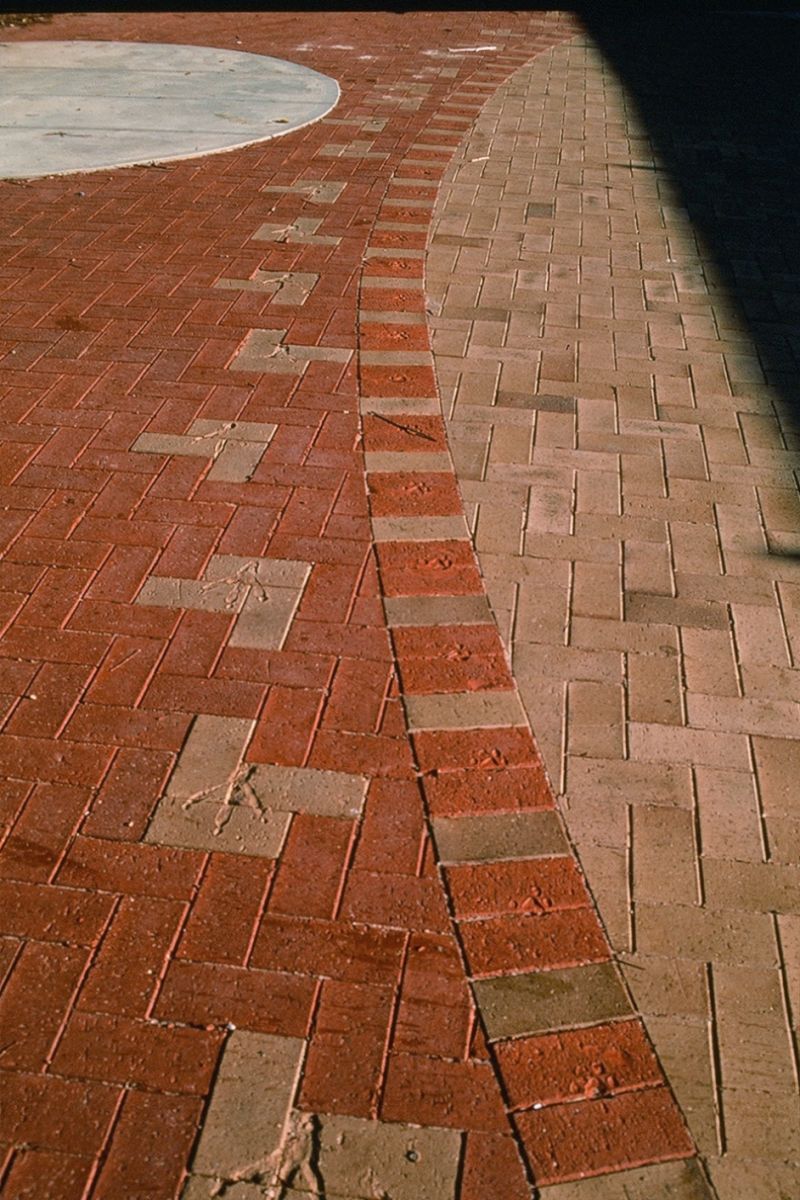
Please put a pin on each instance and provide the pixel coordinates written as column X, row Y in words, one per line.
column 276, row 822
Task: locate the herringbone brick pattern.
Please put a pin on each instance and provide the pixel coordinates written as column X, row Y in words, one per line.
column 629, row 477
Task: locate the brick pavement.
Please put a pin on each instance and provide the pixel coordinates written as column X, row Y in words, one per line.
column 629, row 477
column 275, row 822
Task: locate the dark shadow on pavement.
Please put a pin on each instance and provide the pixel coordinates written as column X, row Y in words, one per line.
column 718, row 88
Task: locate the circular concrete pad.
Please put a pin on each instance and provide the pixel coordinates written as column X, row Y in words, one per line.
column 81, row 106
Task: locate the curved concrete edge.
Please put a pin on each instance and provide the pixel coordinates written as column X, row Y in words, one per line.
column 184, row 156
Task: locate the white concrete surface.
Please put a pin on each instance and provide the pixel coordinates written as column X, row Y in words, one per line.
column 83, row 106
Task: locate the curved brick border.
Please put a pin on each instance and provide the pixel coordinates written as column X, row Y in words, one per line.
column 581, row 1082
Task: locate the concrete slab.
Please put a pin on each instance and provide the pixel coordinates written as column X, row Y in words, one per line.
column 84, row 106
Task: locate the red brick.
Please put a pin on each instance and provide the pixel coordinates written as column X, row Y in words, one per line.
column 70, row 1115
column 414, row 432
column 54, row 645
column 66, row 1175
column 577, row 1063
column 397, row 381
column 222, row 919
column 283, row 666
column 49, row 700
column 429, row 569
column 593, row 1137
column 406, row 493
column 52, row 914
column 133, row 954
column 339, row 950
column 150, row 1146
column 361, row 754
column 213, row 993
column 399, row 299
column 352, row 641
column 53, row 761
column 123, row 726
column 375, row 335
column 533, row 943
column 392, row 828
column 132, row 619
column 187, row 552
column 247, row 532
column 122, row 574
column 402, row 268
column 451, row 750
column 462, row 792
column 197, row 643
column 435, row 1011
column 448, row 640
column 45, row 824
column 283, row 734
column 345, row 1059
column 534, row 886
column 329, row 593
column 357, row 696
column 117, row 1049
column 398, row 900
column 129, row 793
column 133, row 869
column 493, row 1167
column 125, row 671
column 311, row 867
column 438, row 1091
column 120, row 495
column 30, row 1013
column 220, row 697
column 55, row 597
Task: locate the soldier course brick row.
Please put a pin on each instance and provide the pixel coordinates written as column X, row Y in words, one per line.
column 232, row 799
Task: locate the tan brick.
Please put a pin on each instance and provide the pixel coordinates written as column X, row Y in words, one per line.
column 663, row 743
column 402, row 1161
column 667, row 987
column 668, row 610
column 606, row 780
column 541, row 614
column 597, row 590
column 418, row 529
column 237, row 1133
column 647, row 568
column 709, row 662
column 493, row 836
column 777, row 770
column 654, row 689
column 730, row 823
column 751, row 886
column 595, row 720
column 734, row 1177
column 770, row 718
column 681, row 931
column 764, row 1126
column 520, row 1004
column 759, row 634
column 664, row 855
column 667, row 1181
column 685, row 1053
column 607, row 867
column 695, row 549
column 464, row 710
column 437, row 610
column 789, row 937
column 597, row 633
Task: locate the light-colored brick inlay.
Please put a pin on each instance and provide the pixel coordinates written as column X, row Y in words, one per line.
column 400, row 460
column 290, row 288
column 358, row 148
column 491, row 837
column 262, row 593
column 236, row 447
column 302, row 230
column 437, row 610
column 240, row 1137
column 264, row 350
column 418, row 529
column 316, row 191
column 464, row 710
column 664, row 1181
column 216, row 801
column 255, row 1144
column 514, row 1005
column 628, row 476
